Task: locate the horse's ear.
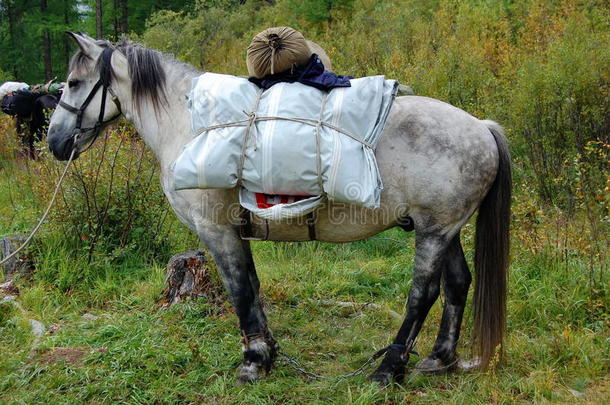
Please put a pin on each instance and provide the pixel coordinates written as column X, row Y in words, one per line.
column 86, row 44
column 84, row 35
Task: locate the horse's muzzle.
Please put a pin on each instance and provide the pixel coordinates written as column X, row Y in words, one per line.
column 61, row 145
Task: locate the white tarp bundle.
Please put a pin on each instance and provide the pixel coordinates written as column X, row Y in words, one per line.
column 9, row 87
column 291, row 139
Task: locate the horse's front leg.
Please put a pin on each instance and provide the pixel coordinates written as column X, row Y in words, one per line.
column 233, row 258
column 429, row 258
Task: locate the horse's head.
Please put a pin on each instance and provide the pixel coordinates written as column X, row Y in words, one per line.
column 88, row 102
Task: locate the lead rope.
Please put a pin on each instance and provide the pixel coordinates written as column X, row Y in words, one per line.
column 295, row 365
column 46, row 213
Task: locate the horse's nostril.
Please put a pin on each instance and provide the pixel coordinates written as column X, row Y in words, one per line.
column 61, row 147
column 67, row 148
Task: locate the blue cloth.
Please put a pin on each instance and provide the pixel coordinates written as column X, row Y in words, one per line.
column 312, row 74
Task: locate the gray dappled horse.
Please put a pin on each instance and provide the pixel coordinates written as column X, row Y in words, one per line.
column 438, row 164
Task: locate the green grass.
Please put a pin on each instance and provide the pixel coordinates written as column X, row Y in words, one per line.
column 136, row 352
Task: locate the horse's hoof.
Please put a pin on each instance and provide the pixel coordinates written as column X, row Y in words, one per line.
column 383, row 379
column 392, row 367
column 249, row 372
column 433, row 366
column 260, row 351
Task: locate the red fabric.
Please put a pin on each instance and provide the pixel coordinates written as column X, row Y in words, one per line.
column 268, row 201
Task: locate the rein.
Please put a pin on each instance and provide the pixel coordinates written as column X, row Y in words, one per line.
column 104, row 83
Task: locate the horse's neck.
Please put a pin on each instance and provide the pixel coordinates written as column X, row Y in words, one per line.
column 168, row 129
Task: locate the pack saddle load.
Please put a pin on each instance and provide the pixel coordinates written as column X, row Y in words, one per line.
column 310, row 135
column 291, row 140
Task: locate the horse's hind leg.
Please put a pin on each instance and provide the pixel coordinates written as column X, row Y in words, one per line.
column 456, row 280
column 429, row 259
column 233, row 258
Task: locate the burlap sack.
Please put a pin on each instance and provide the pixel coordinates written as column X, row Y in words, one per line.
column 317, row 49
column 275, row 50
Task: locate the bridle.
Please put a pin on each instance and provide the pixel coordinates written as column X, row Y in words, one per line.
column 104, row 83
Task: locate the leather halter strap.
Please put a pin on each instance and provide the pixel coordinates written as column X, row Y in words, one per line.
column 101, row 83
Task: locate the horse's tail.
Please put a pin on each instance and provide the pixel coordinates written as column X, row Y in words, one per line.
column 491, row 258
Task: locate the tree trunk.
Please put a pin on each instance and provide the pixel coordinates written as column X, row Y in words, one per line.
column 46, row 51
column 123, row 17
column 67, row 41
column 189, row 276
column 99, row 32
column 46, row 44
column 11, row 33
column 115, row 18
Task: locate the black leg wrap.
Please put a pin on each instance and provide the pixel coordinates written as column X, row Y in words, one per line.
column 392, row 367
column 260, row 352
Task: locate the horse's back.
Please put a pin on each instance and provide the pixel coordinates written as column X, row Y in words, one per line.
column 436, row 157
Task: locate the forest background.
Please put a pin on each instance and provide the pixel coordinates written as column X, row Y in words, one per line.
column 541, row 68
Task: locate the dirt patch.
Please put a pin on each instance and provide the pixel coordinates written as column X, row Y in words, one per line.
column 72, row 356
column 54, row 327
column 9, row 288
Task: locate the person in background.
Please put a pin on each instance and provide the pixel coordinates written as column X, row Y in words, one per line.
column 30, row 105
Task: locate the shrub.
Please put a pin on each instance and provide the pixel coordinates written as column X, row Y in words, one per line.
column 4, row 76
column 7, row 311
column 8, row 141
column 111, row 201
column 560, row 105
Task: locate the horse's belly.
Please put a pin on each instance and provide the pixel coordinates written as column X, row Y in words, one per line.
column 334, row 223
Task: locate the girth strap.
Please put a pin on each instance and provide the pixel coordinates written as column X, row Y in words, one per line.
column 310, row 220
column 247, row 233
column 245, row 227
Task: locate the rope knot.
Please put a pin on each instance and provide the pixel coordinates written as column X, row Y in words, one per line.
column 274, row 41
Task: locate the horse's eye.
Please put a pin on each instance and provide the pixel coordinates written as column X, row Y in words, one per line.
column 73, row 83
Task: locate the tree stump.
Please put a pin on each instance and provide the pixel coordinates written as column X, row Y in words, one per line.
column 21, row 264
column 190, row 276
